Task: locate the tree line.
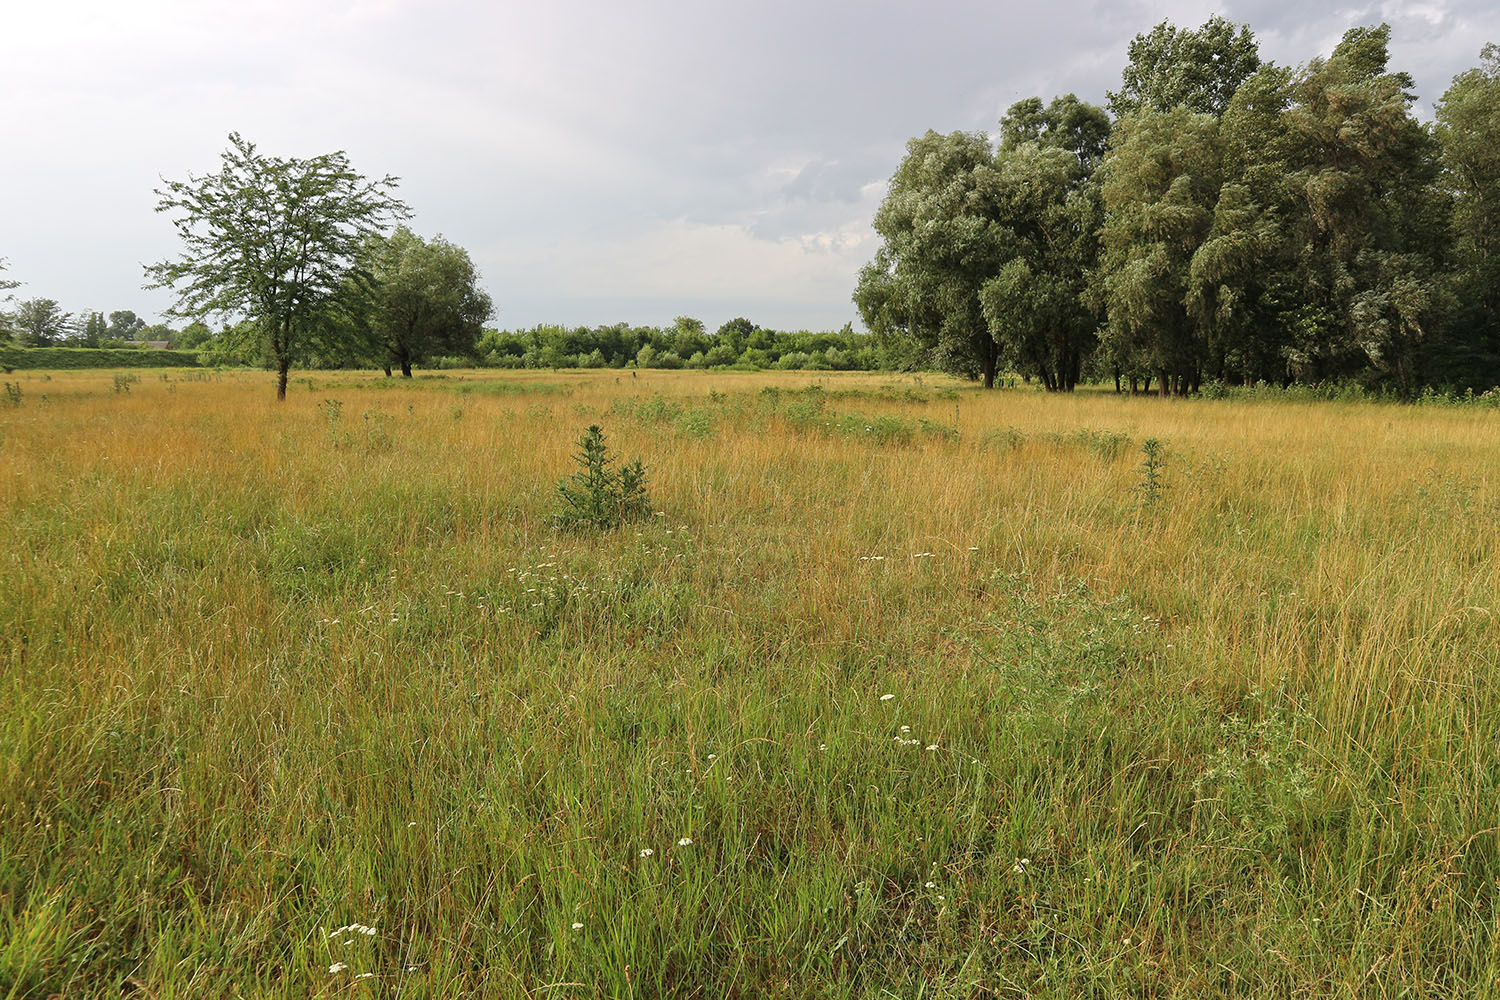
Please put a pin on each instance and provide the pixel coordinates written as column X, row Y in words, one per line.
column 738, row 343
column 1225, row 219
column 308, row 262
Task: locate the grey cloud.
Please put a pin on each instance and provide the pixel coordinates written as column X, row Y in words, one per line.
column 575, row 127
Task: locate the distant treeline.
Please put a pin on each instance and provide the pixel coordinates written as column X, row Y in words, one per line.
column 1225, row 221
column 686, row 344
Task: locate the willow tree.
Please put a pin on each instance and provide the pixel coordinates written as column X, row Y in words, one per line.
column 422, row 298
column 1161, row 183
column 1046, row 213
column 1468, row 129
column 940, row 248
column 272, row 240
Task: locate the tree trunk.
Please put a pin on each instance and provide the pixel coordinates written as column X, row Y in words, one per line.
column 283, row 365
column 1117, row 380
column 406, row 367
column 387, row 369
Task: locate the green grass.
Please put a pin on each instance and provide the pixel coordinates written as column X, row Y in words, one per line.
column 266, row 676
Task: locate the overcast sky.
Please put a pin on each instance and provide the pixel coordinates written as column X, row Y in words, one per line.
column 601, row 161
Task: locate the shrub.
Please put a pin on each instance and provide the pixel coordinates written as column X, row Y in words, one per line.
column 88, row 357
column 596, row 497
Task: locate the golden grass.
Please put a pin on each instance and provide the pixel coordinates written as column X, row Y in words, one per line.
column 197, row 570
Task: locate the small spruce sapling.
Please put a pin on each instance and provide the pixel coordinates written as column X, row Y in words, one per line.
column 597, row 497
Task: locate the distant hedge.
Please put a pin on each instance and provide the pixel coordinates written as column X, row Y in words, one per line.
column 90, row 357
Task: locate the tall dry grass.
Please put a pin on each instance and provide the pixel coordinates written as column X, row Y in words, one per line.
column 271, row 670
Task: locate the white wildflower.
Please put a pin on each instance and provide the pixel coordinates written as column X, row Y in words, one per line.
column 577, row 926
column 685, row 841
column 646, row 852
column 336, row 968
column 886, row 697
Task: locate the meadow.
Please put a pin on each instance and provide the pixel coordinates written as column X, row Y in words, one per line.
column 904, row 689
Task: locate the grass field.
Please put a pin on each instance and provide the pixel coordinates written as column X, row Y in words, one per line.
column 906, row 690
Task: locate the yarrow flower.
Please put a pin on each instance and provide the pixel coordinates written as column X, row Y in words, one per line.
column 685, row 841
column 337, row 967
column 577, row 926
column 646, row 852
column 886, row 697
column 353, row 929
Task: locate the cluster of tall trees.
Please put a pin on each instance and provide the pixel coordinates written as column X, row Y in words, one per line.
column 42, row 322
column 1225, row 218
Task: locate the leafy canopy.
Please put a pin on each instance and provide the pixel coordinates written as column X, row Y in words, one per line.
column 273, row 240
column 422, row 298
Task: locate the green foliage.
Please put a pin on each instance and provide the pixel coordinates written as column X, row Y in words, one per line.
column 1161, row 179
column 598, row 498
column 333, row 412
column 1102, row 444
column 13, row 394
column 67, row 358
column 1199, row 70
column 274, row 239
column 1150, row 485
column 938, row 252
column 41, row 323
column 1256, row 785
column 417, row 298
column 1258, row 223
column 1468, row 132
column 123, row 382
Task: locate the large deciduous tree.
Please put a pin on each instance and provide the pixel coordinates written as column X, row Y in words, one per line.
column 423, row 299
column 1047, row 214
column 1468, row 130
column 1161, row 183
column 1174, row 67
column 124, row 325
column 273, row 240
column 41, row 323
column 1362, row 172
column 940, row 249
